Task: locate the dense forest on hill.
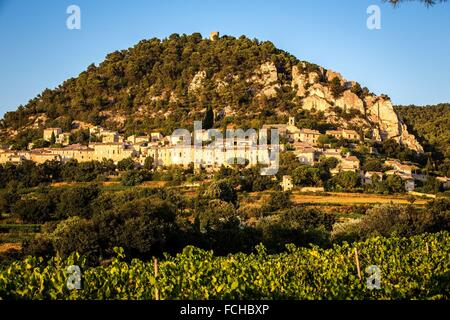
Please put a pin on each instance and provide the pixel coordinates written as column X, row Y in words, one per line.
column 431, row 125
column 152, row 80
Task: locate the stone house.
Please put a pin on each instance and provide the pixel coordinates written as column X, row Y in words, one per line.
column 110, row 137
column 12, row 156
column 41, row 156
column 306, row 155
column 398, row 166
column 344, row 134
column 49, row 132
column 368, row 176
column 309, row 136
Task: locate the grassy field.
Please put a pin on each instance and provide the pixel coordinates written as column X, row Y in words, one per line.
column 352, row 199
column 256, row 199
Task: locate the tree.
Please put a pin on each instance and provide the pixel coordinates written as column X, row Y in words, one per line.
column 77, row 201
column 426, row 2
column 76, row 235
column 323, row 139
column 347, row 180
column 396, row 220
column 306, row 176
column 429, row 167
column 222, row 190
column 33, row 210
column 395, row 184
column 148, row 227
column 149, row 163
column 126, row 164
column 373, row 165
column 215, row 212
column 135, row 177
column 439, row 212
column 8, row 197
column 208, row 120
column 288, row 163
column 356, row 89
column 431, row 185
column 53, row 138
column 41, row 143
column 336, row 87
column 278, row 200
column 299, row 226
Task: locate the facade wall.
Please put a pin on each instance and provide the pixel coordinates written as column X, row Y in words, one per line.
column 48, row 133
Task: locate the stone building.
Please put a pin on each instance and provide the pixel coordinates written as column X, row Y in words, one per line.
column 308, row 135
column 49, row 132
column 214, row 35
column 344, row 134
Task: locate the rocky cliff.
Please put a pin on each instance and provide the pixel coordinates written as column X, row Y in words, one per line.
column 374, row 112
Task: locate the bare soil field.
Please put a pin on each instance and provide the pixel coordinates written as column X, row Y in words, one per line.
column 5, row 247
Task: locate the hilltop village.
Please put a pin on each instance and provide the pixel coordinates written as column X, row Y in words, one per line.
column 308, row 146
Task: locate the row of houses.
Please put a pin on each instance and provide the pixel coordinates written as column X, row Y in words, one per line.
column 167, row 150
column 309, row 155
column 81, row 153
column 172, row 150
column 295, row 134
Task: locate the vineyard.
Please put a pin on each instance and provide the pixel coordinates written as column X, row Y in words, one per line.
column 414, row 268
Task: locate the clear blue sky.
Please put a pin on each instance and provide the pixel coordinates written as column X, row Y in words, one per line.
column 408, row 59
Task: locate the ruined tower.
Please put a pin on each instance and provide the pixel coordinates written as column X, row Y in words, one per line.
column 214, row 35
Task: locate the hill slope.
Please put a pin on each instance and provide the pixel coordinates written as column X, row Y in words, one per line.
column 165, row 84
column 431, row 125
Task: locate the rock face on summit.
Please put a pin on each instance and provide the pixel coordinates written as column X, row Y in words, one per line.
column 376, row 112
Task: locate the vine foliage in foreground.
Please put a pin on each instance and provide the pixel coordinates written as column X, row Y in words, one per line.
column 414, row 268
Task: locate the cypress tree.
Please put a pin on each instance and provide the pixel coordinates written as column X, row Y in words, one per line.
column 208, row 121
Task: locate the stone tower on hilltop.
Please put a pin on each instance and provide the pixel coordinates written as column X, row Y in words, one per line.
column 214, row 35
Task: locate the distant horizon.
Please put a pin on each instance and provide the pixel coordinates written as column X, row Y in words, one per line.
column 42, row 53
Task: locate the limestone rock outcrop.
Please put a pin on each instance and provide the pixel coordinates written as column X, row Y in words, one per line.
column 349, row 100
column 376, row 112
column 320, row 91
column 380, row 111
column 330, row 75
column 315, row 102
column 298, row 82
column 197, row 82
column 267, row 77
